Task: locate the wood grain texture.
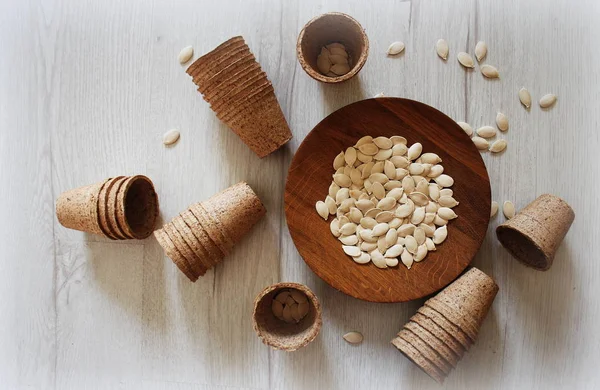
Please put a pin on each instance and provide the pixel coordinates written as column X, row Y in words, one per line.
column 310, row 175
column 88, row 90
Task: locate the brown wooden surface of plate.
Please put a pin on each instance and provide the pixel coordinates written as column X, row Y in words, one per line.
column 310, row 175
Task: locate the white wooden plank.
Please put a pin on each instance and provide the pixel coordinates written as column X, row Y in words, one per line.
column 27, row 305
column 99, row 307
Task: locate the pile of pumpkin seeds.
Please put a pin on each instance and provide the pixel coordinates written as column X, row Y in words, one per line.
column 390, row 201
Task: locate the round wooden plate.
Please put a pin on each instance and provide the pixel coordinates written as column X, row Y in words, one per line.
column 310, row 175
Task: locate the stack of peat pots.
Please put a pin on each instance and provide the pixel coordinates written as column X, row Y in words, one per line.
column 201, row 236
column 239, row 92
column 442, row 330
column 120, row 208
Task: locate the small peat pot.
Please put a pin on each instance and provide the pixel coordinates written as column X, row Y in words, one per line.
column 331, row 28
column 281, row 334
column 535, row 233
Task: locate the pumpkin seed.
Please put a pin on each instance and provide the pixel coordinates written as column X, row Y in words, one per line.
column 368, row 223
column 389, row 169
column 396, row 139
column 525, row 97
column 415, row 151
column 421, row 253
column 428, row 229
column 486, row 132
column 383, row 142
column 410, row 243
column 548, row 100
column 391, row 237
column 446, row 192
column 363, row 258
column 339, row 161
column 322, row 209
column 430, row 158
column 444, row 180
column 380, row 229
column 400, row 161
column 447, row 201
column 444, row 212
column 171, row 136
column 331, row 205
column 395, row 48
column 342, row 195
column 429, row 244
column 384, row 217
column 383, row 154
column 494, row 209
column 435, row 171
column 395, row 223
column 386, row 203
column 502, row 121
column 480, row 143
column 369, row 149
column 352, row 251
column 405, row 210
column 342, row 180
column 407, row 259
column 363, row 140
column 406, row 229
column 490, row 71
column 353, row 337
column 480, row 50
column 334, row 226
column 408, row 185
column 382, row 244
column 465, row 60
column 333, row 189
column 349, row 240
column 378, row 259
column 185, row 54
column 350, row 228
column 508, row 208
column 440, row 235
column 379, row 95
column 498, row 146
column 422, row 187
column 419, row 198
column 442, row 49
column 418, row 216
column 429, row 216
column 466, row 127
column 368, row 246
column 419, row 235
column 378, row 190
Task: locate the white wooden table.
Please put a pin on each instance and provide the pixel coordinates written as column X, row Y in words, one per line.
column 87, row 88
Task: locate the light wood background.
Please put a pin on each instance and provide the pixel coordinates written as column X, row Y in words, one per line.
column 87, row 88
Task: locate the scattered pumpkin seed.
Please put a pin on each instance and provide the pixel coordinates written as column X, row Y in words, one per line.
column 498, row 146
column 465, row 60
column 480, row 50
column 353, row 337
column 185, row 54
column 395, row 48
column 525, row 97
column 489, row 71
column 502, row 121
column 442, row 49
column 508, row 208
column 466, row 127
column 548, row 100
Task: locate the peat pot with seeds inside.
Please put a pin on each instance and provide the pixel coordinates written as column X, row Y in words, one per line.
column 332, row 47
column 287, row 316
